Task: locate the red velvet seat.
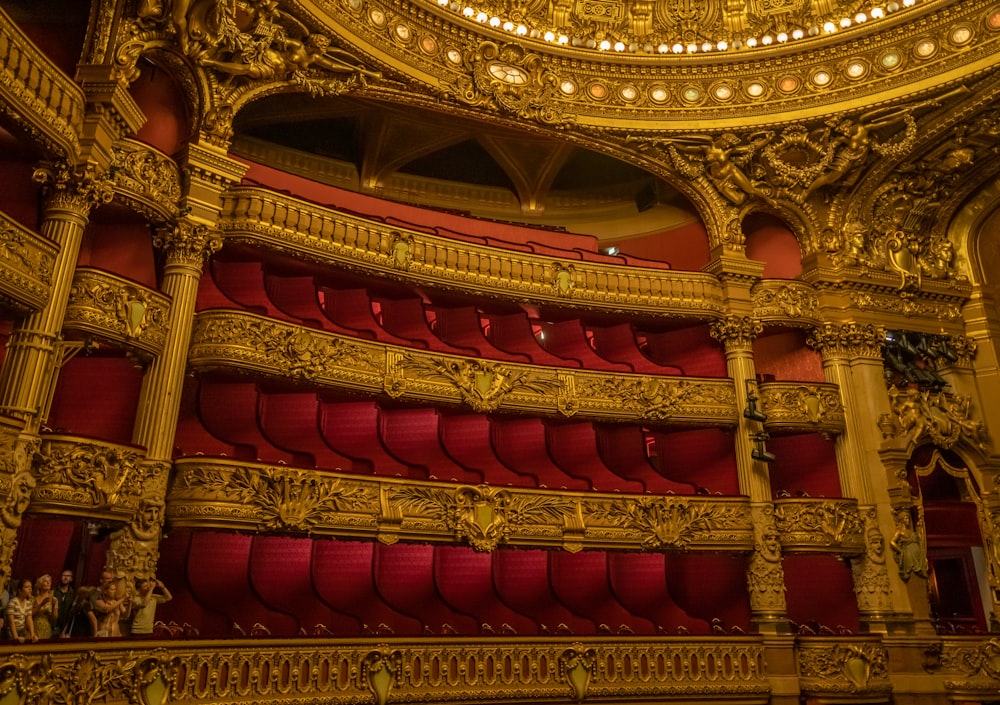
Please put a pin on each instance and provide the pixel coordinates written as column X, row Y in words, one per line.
column 229, row 412
column 711, row 587
column 461, row 326
column 406, row 318
column 622, row 447
column 243, row 283
column 580, row 580
column 296, row 297
column 691, row 349
column 618, row 344
column 404, row 577
column 281, row 575
column 218, row 573
column 351, row 309
column 412, row 436
column 343, row 578
column 466, row 438
column 519, row 443
column 639, row 582
column 191, row 437
column 521, row 577
column 350, row 428
column 291, row 422
column 573, row 447
column 568, row 340
column 512, row 333
column 464, row 579
column 184, row 608
column 704, row 457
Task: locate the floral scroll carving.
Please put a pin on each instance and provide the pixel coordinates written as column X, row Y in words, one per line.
column 673, row 522
column 804, row 523
column 98, row 476
column 813, row 407
column 108, row 306
column 839, row 668
column 941, row 417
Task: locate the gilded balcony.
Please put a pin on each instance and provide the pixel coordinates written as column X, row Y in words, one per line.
column 849, row 669
column 26, row 261
column 803, row 407
column 828, row 525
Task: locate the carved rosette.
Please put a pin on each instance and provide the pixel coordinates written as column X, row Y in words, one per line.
column 828, row 524
column 102, row 478
column 765, row 576
column 941, row 417
column 507, row 78
column 188, row 243
column 116, row 309
column 264, row 498
column 736, row 332
column 836, row 668
column 850, row 340
column 148, row 180
column 74, row 189
column 803, row 407
column 790, row 303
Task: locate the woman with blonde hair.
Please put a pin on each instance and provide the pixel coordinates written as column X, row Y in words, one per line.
column 45, row 609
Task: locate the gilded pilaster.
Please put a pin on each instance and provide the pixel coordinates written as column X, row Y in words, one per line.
column 35, row 351
column 187, row 246
column 852, row 359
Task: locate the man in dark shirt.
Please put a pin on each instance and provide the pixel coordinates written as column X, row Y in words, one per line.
column 64, row 594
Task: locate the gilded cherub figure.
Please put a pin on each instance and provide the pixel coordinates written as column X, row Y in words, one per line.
column 725, row 158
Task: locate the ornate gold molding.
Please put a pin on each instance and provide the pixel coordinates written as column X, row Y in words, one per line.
column 848, row 340
column 943, row 418
column 856, row 667
column 795, row 406
column 36, row 95
column 87, row 478
column 26, row 262
column 258, row 345
column 146, row 179
column 260, row 217
column 496, row 670
column 115, row 309
column 823, row 524
column 786, row 302
column 969, row 665
column 236, row 495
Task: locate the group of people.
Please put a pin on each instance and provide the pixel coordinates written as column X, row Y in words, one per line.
column 37, row 611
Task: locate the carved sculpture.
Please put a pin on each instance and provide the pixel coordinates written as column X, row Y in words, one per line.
column 908, row 548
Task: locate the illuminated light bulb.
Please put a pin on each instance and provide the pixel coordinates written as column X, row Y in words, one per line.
column 522, row 30
column 877, row 13
column 829, row 27
column 860, row 17
column 604, row 45
column 619, row 46
column 442, row 3
column 782, row 37
column 707, row 46
column 508, row 26
column 663, row 48
column 798, row 34
column 468, row 12
column 752, row 42
column 549, row 36
column 846, row 22
column 563, row 39
column 678, row 48
column 722, row 46
column 909, row 3
column 482, row 17
column 692, row 48
column 766, row 40
column 494, row 22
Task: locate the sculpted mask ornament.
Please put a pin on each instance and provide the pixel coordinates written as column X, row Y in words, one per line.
column 765, row 576
column 871, row 579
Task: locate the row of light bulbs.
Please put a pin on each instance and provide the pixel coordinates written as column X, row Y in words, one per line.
column 521, row 30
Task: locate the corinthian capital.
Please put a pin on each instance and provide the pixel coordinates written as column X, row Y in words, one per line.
column 188, row 243
column 76, row 188
column 848, row 340
column 736, row 331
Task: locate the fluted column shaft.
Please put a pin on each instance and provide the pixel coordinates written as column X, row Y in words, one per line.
column 29, row 372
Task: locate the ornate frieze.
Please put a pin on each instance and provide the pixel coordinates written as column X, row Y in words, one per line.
column 26, row 262
column 854, row 667
column 969, row 665
column 146, row 179
column 924, row 414
column 228, row 494
column 267, row 347
column 115, row 309
column 786, row 302
column 90, row 477
column 806, row 524
column 848, row 340
column 802, row 407
column 262, row 218
column 497, row 670
column 906, row 306
column 36, row 95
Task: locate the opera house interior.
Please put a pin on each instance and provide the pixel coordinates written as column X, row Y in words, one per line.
column 500, row 351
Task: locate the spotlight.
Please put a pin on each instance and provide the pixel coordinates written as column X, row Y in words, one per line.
column 751, row 411
column 760, row 452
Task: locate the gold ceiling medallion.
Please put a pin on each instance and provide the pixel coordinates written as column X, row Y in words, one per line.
column 510, row 80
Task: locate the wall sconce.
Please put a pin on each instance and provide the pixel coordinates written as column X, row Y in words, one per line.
column 751, row 411
column 760, row 452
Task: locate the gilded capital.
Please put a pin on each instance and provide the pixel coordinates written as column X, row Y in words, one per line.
column 736, row 331
column 848, row 340
column 77, row 189
column 188, row 243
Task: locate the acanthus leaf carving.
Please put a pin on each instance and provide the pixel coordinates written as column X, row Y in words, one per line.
column 669, row 522
column 942, row 417
column 102, row 475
